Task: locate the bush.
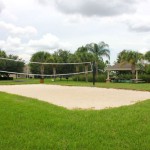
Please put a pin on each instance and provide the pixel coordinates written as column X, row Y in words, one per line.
column 145, row 77
column 6, row 78
column 125, row 76
column 100, row 78
column 147, row 69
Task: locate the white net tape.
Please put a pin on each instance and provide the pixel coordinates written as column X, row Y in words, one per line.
column 45, row 75
column 1, row 58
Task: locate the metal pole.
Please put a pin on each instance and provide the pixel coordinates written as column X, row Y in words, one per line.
column 94, row 72
column 86, row 72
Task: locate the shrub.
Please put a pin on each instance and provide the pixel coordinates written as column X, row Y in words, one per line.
column 147, row 69
column 125, row 76
column 145, row 77
column 100, row 78
column 6, row 78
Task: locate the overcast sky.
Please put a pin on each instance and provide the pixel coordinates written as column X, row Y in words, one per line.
column 27, row 26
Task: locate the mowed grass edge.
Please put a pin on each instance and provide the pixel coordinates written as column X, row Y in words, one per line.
column 27, row 123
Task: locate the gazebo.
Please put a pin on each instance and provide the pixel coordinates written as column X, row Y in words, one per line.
column 120, row 67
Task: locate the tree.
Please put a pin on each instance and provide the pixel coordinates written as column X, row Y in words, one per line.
column 3, row 54
column 147, row 68
column 131, row 57
column 10, row 65
column 99, row 51
column 43, row 57
column 2, row 62
column 84, row 55
column 74, row 58
column 147, row 56
column 62, row 56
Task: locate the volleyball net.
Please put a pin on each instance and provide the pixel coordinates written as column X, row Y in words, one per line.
column 43, row 69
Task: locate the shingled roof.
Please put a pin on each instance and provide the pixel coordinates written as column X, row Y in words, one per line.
column 120, row 67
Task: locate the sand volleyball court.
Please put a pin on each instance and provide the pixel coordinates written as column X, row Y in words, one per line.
column 78, row 97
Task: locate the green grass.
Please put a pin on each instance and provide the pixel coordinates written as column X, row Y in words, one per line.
column 28, row 124
column 19, row 81
column 130, row 86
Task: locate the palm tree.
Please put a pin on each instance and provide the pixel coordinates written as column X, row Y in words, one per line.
column 131, row 57
column 99, row 51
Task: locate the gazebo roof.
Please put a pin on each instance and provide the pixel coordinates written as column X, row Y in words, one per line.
column 120, row 67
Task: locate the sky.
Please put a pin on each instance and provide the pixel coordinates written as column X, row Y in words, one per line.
column 27, row 26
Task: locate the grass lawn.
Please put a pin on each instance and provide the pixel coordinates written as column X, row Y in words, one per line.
column 28, row 124
column 130, row 86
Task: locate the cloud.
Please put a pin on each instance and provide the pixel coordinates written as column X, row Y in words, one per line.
column 11, row 43
column 14, row 45
column 46, row 2
column 139, row 28
column 138, row 23
column 1, row 6
column 96, row 7
column 48, row 42
column 18, row 31
column 43, row 2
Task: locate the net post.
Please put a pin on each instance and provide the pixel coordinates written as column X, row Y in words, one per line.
column 42, row 73
column 77, row 71
column 94, row 72
column 27, row 67
column 54, row 72
column 86, row 72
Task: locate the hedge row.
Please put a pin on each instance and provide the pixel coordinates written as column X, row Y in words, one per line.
column 6, row 78
column 99, row 78
column 102, row 77
column 145, row 77
column 125, row 76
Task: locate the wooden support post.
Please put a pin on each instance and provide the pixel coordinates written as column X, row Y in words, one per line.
column 77, row 70
column 27, row 70
column 108, row 79
column 42, row 73
column 54, row 71
column 136, row 74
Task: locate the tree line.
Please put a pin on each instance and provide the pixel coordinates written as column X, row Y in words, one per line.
column 89, row 53
column 10, row 66
column 93, row 52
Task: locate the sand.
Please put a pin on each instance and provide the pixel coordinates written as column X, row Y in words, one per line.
column 78, row 97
